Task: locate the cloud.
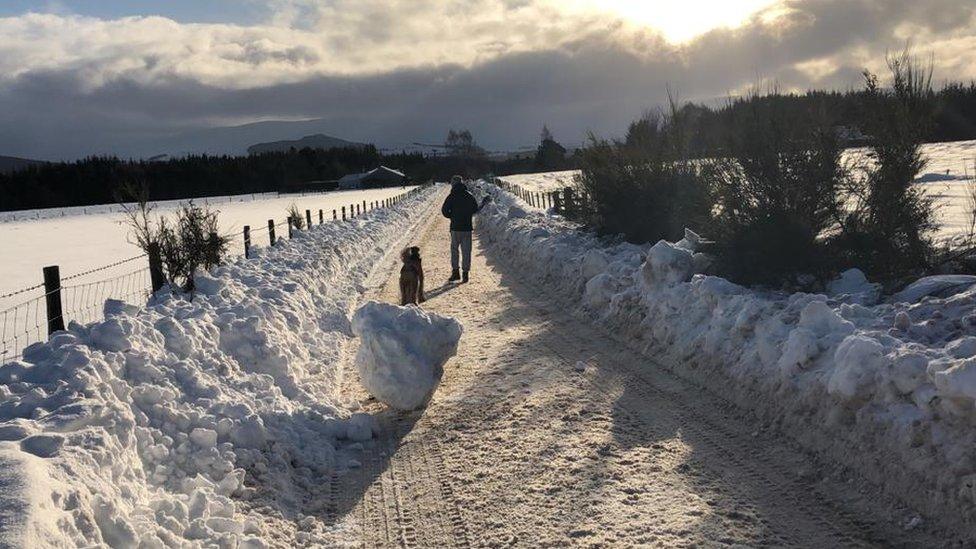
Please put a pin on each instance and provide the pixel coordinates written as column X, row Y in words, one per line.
column 399, row 71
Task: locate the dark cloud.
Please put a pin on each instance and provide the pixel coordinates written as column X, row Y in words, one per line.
column 597, row 81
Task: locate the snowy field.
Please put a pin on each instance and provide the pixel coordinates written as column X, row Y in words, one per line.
column 886, row 385
column 947, row 178
column 82, row 238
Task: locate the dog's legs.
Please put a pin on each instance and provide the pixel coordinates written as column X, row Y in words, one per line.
column 420, row 290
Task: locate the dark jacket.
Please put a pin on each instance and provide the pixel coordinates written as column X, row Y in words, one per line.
column 460, row 207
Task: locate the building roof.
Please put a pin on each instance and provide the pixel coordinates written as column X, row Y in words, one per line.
column 385, row 169
column 353, row 178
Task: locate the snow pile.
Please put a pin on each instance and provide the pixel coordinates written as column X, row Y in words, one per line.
column 148, row 428
column 888, row 388
column 402, row 353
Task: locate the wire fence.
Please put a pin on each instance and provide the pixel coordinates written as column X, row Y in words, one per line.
column 30, row 321
column 33, row 319
column 22, row 325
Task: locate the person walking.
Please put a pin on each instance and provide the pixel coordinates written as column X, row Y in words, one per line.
column 460, row 206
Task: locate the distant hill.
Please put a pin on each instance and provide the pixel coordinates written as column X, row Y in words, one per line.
column 10, row 164
column 317, row 141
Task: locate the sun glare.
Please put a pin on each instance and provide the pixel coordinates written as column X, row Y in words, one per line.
column 679, row 20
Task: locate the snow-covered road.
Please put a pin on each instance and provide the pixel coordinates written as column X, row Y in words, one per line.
column 546, row 431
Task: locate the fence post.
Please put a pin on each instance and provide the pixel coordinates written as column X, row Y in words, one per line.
column 343, row 213
column 247, row 241
column 321, row 217
column 156, row 264
column 569, row 205
column 52, row 294
column 291, row 233
column 334, row 216
column 364, row 206
column 271, row 235
column 308, row 219
column 557, row 202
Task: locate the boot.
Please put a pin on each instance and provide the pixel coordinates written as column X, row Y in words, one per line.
column 455, row 276
column 464, row 278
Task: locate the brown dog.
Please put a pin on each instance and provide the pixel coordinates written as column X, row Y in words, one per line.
column 411, row 277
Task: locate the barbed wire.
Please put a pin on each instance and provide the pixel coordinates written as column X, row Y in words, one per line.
column 103, row 268
column 23, row 291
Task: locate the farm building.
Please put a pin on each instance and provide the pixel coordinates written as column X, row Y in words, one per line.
column 379, row 177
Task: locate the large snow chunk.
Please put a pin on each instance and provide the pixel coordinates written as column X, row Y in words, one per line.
column 820, row 319
column 858, row 358
column 667, row 265
column 594, row 263
column 598, row 291
column 908, row 371
column 938, row 285
column 403, row 351
column 690, row 242
column 854, row 284
column 957, row 381
column 962, row 348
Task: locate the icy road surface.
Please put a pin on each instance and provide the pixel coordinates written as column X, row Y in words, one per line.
column 545, row 432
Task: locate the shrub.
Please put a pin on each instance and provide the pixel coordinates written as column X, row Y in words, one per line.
column 188, row 243
column 645, row 187
column 776, row 194
column 296, row 217
column 887, row 230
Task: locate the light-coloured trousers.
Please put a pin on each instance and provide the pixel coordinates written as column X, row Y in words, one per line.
column 461, row 242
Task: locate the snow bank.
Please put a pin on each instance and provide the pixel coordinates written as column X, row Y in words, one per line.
column 148, row 428
column 887, row 388
column 402, row 353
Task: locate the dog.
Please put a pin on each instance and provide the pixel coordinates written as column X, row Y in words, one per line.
column 411, row 277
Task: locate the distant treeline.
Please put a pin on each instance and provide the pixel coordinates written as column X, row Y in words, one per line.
column 97, row 180
column 953, row 110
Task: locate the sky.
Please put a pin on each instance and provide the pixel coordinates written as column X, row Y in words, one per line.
column 140, row 77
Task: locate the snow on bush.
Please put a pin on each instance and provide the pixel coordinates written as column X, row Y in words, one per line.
column 146, row 428
column 889, row 387
column 402, row 352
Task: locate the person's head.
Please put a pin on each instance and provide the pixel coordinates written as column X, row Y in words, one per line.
column 457, row 183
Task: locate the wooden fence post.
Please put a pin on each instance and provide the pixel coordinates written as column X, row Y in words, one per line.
column 247, row 241
column 569, row 204
column 334, row 216
column 156, row 277
column 557, row 202
column 364, row 206
column 308, row 219
column 343, row 213
column 52, row 294
column 291, row 224
column 271, row 235
column 321, row 217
